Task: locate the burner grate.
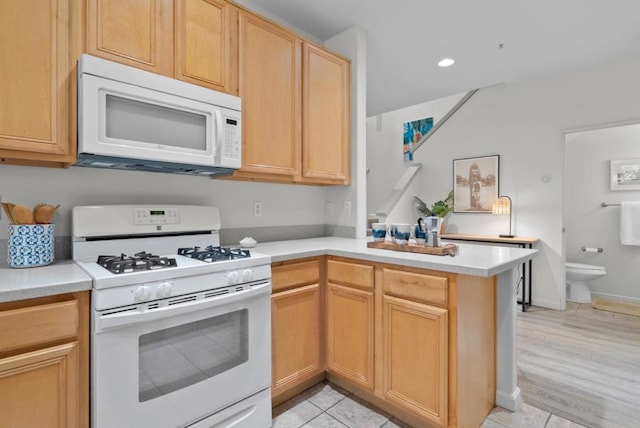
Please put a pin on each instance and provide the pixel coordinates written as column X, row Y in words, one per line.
column 138, row 262
column 214, row 254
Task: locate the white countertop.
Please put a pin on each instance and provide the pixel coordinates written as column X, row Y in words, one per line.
column 476, row 260
column 57, row 278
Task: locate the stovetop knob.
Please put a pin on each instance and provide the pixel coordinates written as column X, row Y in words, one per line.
column 247, row 275
column 233, row 278
column 142, row 293
column 164, row 289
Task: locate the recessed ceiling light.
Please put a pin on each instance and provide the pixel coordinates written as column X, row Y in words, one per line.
column 447, row 62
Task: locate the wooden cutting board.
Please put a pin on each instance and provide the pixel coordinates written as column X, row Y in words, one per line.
column 409, row 248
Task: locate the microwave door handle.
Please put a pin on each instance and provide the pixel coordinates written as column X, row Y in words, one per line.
column 124, row 319
column 217, row 144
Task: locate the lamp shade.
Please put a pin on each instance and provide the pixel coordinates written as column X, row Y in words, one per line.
column 501, row 206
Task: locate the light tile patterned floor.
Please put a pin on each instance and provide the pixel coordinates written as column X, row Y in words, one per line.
column 327, row 406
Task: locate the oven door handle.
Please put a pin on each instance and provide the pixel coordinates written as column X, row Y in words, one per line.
column 125, row 319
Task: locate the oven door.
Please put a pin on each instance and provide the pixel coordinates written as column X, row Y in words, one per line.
column 177, row 364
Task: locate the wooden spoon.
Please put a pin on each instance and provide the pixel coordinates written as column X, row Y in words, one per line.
column 22, row 214
column 44, row 213
column 6, row 207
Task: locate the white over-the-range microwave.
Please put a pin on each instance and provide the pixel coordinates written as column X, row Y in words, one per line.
column 137, row 120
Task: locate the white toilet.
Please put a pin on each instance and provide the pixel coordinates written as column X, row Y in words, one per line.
column 578, row 277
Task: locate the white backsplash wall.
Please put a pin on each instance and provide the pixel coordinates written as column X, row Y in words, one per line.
column 282, row 205
column 587, row 223
column 351, row 222
column 524, row 123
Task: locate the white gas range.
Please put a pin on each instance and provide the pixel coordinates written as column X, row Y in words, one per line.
column 181, row 331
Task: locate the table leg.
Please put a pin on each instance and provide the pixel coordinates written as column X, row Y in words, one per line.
column 530, row 278
column 524, row 287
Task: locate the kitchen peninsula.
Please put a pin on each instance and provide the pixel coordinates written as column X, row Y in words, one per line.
column 430, row 339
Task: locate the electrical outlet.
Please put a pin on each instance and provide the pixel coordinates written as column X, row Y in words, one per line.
column 329, row 209
column 345, row 208
column 257, row 208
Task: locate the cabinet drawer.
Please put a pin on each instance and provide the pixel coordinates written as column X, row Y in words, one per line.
column 294, row 275
column 415, row 286
column 352, row 274
column 34, row 325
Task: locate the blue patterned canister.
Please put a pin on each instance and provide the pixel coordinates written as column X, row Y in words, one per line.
column 30, row 245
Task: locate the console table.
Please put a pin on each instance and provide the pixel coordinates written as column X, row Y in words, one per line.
column 520, row 242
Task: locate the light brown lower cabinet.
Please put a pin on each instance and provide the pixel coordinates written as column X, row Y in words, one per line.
column 44, row 362
column 417, row 343
column 350, row 334
column 415, row 357
column 296, row 328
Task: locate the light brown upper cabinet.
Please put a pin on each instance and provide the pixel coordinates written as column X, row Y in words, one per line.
column 270, row 92
column 206, row 44
column 138, row 33
column 295, row 106
column 191, row 40
column 38, row 48
column 325, row 117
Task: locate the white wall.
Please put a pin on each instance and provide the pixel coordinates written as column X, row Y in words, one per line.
column 524, row 124
column 588, row 224
column 352, row 43
column 282, row 204
column 385, row 142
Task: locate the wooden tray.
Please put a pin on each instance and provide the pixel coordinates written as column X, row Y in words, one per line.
column 409, row 248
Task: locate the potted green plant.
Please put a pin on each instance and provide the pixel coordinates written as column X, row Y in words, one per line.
column 438, row 209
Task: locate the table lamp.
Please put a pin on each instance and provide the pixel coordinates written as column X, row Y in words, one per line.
column 502, row 206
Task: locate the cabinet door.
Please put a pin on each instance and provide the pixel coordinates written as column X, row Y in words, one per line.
column 40, row 388
column 138, row 33
column 326, row 116
column 350, row 334
column 295, row 334
column 206, row 44
column 270, row 92
column 37, row 54
column 415, row 358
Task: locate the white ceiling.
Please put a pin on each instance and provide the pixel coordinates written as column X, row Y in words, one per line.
column 406, row 39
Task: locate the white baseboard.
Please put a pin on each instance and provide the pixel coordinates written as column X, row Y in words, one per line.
column 509, row 401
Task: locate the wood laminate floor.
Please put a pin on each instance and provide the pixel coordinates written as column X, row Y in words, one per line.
column 582, row 364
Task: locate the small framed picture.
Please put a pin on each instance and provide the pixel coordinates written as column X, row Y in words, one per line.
column 475, row 184
column 625, row 174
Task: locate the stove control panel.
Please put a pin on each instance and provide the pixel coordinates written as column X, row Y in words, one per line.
column 145, row 216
